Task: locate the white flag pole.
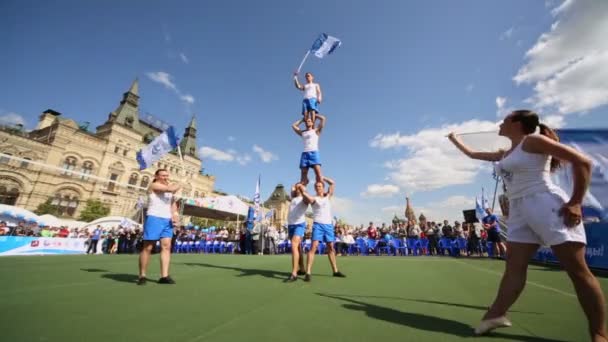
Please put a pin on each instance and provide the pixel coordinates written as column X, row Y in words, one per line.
column 182, row 202
column 471, row 133
column 303, row 60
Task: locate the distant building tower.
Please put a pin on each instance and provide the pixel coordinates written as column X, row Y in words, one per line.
column 409, row 211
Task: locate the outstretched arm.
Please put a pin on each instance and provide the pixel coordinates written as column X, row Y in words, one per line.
column 488, row 156
column 296, row 126
column 297, row 83
column 332, row 186
column 321, row 123
column 307, row 198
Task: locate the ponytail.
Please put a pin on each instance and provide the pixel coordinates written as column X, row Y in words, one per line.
column 549, row 133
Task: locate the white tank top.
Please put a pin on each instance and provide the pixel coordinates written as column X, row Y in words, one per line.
column 321, row 210
column 525, row 173
column 311, row 140
column 310, row 91
column 297, row 211
column 160, row 204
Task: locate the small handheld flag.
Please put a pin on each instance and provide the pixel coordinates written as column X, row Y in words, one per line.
column 161, row 145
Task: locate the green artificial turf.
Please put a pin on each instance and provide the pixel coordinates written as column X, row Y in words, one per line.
column 243, row 298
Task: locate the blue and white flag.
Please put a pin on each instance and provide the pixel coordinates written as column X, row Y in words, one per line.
column 256, row 198
column 325, row 45
column 484, row 201
column 479, row 211
column 269, row 214
column 161, row 145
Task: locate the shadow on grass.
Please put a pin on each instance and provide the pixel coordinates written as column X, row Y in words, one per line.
column 459, row 305
column 423, row 322
column 121, row 277
column 93, row 270
column 245, row 272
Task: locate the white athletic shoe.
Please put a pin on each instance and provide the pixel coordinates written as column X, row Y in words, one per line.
column 490, row 324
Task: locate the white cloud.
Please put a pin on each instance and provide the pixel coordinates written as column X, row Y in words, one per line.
column 507, row 34
column 231, row 138
column 501, row 107
column 162, row 78
column 449, row 209
column 184, row 58
column 567, row 64
column 380, row 190
column 554, row 121
column 244, row 159
column 223, row 156
column 265, row 156
column 165, row 79
column 431, row 161
column 187, row 98
column 215, row 154
column 500, row 102
column 393, row 209
column 12, row 118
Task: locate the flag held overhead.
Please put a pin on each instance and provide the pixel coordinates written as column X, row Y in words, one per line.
column 161, row 145
column 325, row 45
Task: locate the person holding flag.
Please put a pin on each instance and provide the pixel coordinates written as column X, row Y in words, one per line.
column 312, row 96
column 322, row 46
column 322, row 227
column 310, row 157
column 163, row 215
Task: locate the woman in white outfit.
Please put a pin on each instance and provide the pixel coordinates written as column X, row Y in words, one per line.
column 541, row 214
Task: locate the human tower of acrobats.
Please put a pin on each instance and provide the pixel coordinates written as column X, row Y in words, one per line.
column 323, row 227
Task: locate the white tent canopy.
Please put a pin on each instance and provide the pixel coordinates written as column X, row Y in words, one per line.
column 53, row 221
column 13, row 215
column 112, row 222
column 228, row 207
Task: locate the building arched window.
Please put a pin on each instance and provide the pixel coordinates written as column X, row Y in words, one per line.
column 4, row 159
column 9, row 195
column 145, row 181
column 69, row 164
column 133, row 180
column 66, row 202
column 87, row 169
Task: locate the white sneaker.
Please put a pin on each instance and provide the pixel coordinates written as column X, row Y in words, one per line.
column 490, row 324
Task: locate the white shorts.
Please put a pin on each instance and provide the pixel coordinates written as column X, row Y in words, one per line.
column 535, row 219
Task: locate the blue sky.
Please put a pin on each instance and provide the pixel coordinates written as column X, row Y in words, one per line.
column 407, row 73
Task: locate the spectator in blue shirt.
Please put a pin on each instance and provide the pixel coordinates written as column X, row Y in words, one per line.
column 490, row 223
column 94, row 240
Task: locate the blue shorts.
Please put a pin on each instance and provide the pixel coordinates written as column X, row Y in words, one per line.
column 309, row 105
column 323, row 232
column 157, row 228
column 296, row 230
column 309, row 159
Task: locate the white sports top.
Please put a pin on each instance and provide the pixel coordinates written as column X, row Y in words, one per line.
column 525, row 173
column 311, row 140
column 310, row 91
column 321, row 210
column 160, row 204
column 297, row 211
